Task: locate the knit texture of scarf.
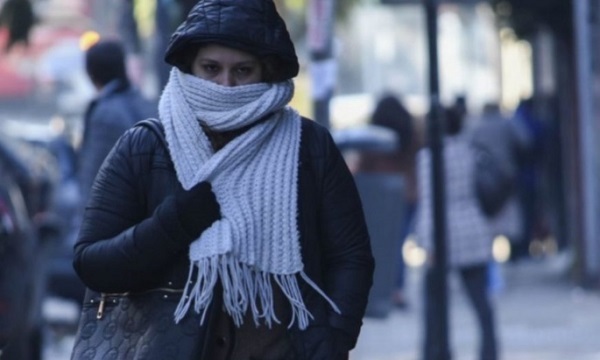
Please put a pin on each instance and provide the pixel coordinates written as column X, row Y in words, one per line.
column 255, row 245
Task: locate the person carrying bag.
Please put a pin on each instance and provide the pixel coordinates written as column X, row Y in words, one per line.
column 242, row 231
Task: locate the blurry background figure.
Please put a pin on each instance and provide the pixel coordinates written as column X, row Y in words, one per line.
column 469, row 234
column 460, row 106
column 390, row 113
column 132, row 40
column 117, row 106
column 507, row 142
column 18, row 18
column 167, row 15
column 528, row 178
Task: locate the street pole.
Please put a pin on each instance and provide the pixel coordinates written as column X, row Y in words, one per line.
column 436, row 327
column 323, row 67
column 587, row 142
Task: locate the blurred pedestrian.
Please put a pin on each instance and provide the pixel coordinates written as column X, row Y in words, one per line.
column 18, row 17
column 468, row 232
column 391, row 113
column 507, row 142
column 133, row 41
column 528, row 179
column 117, row 106
column 168, row 15
column 246, row 214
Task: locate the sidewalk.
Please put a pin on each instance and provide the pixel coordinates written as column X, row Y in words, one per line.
column 540, row 316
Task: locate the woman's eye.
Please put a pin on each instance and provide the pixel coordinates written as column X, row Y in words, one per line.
column 210, row 68
column 244, row 70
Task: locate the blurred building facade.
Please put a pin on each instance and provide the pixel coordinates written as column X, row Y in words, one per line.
column 563, row 36
column 384, row 49
column 499, row 52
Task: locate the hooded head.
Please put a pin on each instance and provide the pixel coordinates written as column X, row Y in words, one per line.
column 391, row 113
column 454, row 120
column 253, row 26
column 105, row 62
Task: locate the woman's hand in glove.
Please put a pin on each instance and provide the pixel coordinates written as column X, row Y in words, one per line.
column 197, row 209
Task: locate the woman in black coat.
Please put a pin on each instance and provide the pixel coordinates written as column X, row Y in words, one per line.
column 245, row 212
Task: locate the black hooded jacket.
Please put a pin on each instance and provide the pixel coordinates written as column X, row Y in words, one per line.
column 249, row 25
column 130, row 239
column 128, row 242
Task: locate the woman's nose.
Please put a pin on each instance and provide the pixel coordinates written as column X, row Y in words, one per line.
column 226, row 79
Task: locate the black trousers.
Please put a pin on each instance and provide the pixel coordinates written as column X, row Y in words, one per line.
column 475, row 281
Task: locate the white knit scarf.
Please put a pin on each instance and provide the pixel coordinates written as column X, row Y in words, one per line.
column 255, row 244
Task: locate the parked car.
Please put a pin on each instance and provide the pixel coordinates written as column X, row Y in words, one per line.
column 30, row 233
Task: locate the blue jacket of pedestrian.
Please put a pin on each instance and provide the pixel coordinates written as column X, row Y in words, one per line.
column 117, row 108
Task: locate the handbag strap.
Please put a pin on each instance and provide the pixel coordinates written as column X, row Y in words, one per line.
column 156, row 127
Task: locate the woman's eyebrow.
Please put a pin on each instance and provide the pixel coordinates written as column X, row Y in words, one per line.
column 201, row 58
column 247, row 62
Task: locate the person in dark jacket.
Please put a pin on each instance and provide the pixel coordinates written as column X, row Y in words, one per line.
column 117, row 107
column 247, row 210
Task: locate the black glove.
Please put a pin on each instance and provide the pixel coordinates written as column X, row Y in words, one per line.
column 197, row 209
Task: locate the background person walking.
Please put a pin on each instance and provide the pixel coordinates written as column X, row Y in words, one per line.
column 117, row 106
column 391, row 113
column 469, row 233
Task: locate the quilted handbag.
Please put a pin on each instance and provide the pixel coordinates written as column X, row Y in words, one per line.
column 138, row 326
column 135, row 327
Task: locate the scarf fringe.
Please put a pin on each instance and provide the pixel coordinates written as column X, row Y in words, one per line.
column 199, row 291
column 244, row 288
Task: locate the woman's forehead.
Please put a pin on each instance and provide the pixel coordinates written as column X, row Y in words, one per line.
column 219, row 52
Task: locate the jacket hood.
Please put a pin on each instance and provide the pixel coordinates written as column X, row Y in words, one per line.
column 253, row 26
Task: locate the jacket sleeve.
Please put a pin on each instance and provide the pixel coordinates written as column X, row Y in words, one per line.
column 349, row 263
column 120, row 247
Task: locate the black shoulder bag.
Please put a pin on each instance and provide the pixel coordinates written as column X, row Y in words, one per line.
column 135, row 327
column 494, row 183
column 138, row 326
